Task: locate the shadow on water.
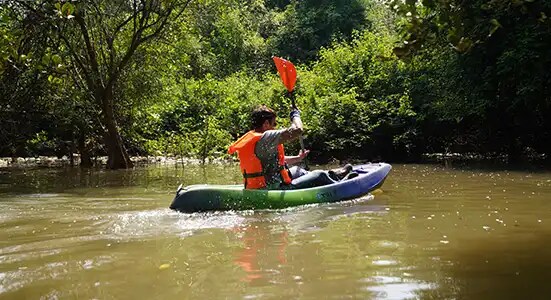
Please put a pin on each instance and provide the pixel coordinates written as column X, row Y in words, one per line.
column 496, row 268
column 167, row 178
column 495, row 165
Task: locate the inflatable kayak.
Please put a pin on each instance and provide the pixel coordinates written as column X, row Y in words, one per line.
column 204, row 197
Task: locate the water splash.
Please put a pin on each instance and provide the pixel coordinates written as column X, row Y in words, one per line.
column 152, row 223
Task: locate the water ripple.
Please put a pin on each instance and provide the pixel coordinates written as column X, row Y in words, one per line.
column 390, row 287
column 145, row 224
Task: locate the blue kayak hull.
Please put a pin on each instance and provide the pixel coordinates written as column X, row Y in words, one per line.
column 234, row 197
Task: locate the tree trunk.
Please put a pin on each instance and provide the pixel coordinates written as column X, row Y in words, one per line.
column 85, row 158
column 205, row 141
column 71, row 152
column 117, row 156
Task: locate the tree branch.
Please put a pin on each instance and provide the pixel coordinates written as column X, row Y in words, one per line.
column 164, row 22
column 103, row 35
column 89, row 48
column 78, row 61
column 126, row 21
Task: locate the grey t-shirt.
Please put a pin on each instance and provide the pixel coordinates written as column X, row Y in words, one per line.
column 266, row 151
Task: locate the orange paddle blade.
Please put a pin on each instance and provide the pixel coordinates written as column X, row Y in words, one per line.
column 287, row 72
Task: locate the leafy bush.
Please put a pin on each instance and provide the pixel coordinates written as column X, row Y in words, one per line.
column 355, row 100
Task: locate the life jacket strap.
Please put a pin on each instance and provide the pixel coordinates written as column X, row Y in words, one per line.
column 261, row 174
column 252, row 175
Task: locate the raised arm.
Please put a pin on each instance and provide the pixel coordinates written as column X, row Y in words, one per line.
column 295, row 130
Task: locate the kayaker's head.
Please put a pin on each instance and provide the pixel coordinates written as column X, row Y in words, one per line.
column 263, row 118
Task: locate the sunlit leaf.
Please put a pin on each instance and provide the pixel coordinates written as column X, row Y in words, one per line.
column 464, row 45
column 46, row 59
column 67, row 9
column 495, row 26
column 56, row 59
column 542, row 17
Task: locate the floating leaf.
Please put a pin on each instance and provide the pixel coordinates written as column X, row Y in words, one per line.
column 377, row 192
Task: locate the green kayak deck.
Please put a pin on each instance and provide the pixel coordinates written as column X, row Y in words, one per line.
column 197, row 198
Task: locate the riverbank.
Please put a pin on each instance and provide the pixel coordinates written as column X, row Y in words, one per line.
column 438, row 158
column 48, row 161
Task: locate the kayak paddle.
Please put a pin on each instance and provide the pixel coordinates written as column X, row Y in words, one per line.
column 288, row 75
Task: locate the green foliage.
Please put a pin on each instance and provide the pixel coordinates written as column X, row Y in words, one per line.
column 7, row 39
column 306, row 26
column 224, row 37
column 355, row 99
column 490, row 87
column 24, row 84
column 473, row 76
column 41, row 144
column 192, row 117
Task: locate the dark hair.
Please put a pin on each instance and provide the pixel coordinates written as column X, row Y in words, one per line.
column 260, row 115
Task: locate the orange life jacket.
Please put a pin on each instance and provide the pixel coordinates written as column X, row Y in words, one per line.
column 251, row 166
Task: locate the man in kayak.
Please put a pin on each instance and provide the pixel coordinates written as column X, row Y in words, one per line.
column 262, row 159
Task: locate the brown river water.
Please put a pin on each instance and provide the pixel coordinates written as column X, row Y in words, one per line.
column 431, row 232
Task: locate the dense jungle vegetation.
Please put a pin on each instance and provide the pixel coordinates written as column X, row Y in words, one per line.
column 380, row 80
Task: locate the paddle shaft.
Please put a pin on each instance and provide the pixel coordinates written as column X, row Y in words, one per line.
column 301, row 138
column 288, row 75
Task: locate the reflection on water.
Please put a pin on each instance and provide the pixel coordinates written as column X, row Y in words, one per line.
column 257, row 247
column 431, row 232
column 389, row 287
